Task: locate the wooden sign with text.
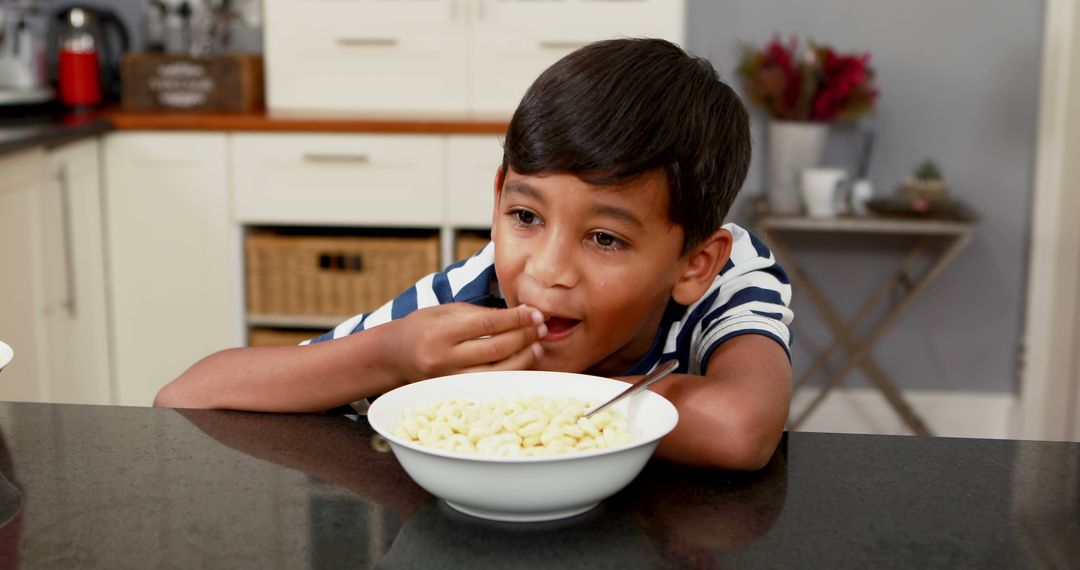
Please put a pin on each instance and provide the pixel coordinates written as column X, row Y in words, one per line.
column 230, row 83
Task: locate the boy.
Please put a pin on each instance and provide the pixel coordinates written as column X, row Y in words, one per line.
column 608, row 256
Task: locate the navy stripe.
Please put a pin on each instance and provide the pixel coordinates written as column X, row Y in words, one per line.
column 741, row 297
column 759, row 246
column 727, row 266
column 478, row 287
column 776, row 316
column 689, row 323
column 776, row 271
column 440, row 285
column 329, row 335
column 654, row 355
column 404, row 304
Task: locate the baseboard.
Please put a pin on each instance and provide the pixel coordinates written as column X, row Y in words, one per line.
column 946, row 413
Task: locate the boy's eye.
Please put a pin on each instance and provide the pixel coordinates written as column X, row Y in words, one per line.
column 525, row 217
column 607, row 241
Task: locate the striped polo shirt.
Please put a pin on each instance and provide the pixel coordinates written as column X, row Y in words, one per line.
column 750, row 295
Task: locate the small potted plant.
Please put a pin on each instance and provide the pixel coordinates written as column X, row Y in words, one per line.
column 926, row 184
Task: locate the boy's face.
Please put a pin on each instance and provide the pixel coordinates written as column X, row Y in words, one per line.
column 600, row 262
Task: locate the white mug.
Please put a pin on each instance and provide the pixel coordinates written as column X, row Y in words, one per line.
column 6, row 354
column 822, row 191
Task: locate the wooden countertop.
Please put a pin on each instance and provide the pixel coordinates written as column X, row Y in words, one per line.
column 261, row 122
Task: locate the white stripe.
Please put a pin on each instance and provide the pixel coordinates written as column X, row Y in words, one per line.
column 750, row 322
column 425, row 292
column 785, row 313
column 347, row 327
column 381, row 316
column 673, row 336
column 473, row 267
column 742, row 247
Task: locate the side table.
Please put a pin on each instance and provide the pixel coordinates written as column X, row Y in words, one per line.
column 937, row 244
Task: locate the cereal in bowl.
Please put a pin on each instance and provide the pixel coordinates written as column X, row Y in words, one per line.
column 523, row 427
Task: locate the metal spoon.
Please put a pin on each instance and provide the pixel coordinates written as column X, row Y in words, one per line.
column 650, row 378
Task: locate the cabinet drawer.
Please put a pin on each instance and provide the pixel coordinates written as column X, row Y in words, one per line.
column 378, row 180
column 471, row 162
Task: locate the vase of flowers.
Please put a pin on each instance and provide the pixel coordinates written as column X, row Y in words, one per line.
column 803, row 95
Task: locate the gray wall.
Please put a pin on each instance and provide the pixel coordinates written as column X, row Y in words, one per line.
column 959, row 82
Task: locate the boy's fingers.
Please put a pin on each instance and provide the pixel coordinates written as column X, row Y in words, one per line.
column 524, row 359
column 500, row 346
column 489, row 322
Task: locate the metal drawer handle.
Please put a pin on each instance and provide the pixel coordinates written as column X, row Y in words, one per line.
column 326, row 157
column 557, row 44
column 367, row 42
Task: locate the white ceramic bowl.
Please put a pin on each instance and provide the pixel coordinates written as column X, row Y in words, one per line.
column 6, row 354
column 525, row 489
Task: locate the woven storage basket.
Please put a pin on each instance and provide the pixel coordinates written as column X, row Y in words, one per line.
column 468, row 243
column 331, row 275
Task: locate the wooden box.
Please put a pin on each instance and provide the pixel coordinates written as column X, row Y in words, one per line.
column 231, row 83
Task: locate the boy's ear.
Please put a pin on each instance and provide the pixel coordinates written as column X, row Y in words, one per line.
column 703, row 263
column 499, row 176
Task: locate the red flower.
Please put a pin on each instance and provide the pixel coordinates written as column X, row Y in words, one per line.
column 822, row 86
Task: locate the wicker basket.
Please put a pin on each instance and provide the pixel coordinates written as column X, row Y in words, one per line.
column 468, row 243
column 331, row 275
column 278, row 337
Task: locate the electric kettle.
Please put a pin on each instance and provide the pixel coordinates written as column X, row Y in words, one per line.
column 85, row 49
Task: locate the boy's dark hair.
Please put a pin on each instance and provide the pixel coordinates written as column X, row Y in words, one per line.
column 616, row 109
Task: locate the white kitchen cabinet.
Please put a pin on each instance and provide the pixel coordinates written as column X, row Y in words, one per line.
column 174, row 255
column 513, row 41
column 22, row 223
column 338, row 179
column 436, row 56
column 52, row 296
column 471, row 163
column 366, row 55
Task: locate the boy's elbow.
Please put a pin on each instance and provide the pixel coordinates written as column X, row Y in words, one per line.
column 172, row 395
column 749, row 447
column 749, row 455
column 165, row 398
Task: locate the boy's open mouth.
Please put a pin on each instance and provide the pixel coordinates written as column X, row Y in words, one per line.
column 559, row 327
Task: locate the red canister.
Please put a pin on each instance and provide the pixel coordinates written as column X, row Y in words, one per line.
column 78, row 68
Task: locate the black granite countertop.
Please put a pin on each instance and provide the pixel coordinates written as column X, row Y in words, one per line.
column 115, row 487
column 18, row 133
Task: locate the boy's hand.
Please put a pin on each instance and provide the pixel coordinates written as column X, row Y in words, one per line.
column 459, row 337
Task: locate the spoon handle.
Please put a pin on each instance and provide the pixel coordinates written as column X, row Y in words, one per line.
column 650, row 378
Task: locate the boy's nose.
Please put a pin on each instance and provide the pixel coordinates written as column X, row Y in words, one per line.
column 552, row 263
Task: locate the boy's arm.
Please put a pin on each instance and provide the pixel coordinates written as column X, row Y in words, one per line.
column 285, row 378
column 430, row 342
column 733, row 417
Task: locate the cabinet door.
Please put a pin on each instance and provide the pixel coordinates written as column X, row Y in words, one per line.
column 365, row 55
column 76, row 323
column 471, row 162
column 174, row 256
column 22, row 303
column 513, row 41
